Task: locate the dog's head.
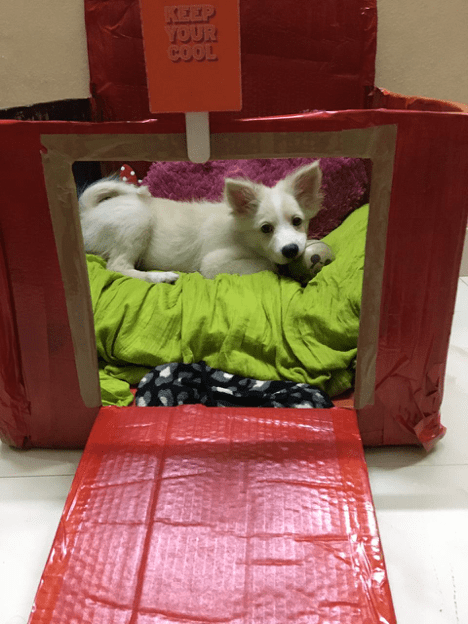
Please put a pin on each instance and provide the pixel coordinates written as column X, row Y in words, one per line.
column 274, row 221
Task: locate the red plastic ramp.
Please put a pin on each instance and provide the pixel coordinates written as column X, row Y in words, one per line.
column 197, row 514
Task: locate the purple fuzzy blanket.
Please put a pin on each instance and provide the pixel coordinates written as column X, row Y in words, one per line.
column 345, row 183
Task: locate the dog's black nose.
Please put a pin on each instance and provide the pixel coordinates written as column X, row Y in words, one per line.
column 290, row 251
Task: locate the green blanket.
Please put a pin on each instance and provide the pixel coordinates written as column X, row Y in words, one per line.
column 261, row 326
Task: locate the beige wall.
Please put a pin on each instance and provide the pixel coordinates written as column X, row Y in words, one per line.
column 422, row 50
column 42, row 52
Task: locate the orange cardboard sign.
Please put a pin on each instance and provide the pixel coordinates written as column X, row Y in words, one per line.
column 192, row 55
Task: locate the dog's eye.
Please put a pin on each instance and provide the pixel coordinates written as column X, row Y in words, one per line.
column 267, row 228
column 296, row 221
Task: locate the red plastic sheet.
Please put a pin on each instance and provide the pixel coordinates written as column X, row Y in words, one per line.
column 195, row 514
column 295, row 57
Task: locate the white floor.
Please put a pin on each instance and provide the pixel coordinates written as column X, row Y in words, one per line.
column 421, row 501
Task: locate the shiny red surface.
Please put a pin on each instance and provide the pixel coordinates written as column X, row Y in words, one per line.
column 40, row 400
column 381, row 98
column 426, row 229
column 13, row 402
column 295, row 57
column 197, row 514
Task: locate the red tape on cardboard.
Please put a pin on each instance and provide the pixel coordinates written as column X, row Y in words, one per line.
column 196, row 514
column 46, row 409
column 13, row 401
column 295, row 57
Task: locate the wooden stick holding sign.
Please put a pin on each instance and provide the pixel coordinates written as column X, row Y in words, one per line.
column 192, row 55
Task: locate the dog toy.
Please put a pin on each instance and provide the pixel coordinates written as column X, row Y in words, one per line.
column 316, row 255
column 128, row 175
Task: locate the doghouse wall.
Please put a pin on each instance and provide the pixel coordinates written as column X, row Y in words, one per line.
column 51, row 396
column 314, row 56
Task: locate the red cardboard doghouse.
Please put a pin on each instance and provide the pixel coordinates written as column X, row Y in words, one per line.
column 195, row 514
column 101, row 561
column 50, row 391
column 417, row 147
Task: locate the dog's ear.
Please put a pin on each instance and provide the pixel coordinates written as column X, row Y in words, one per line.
column 242, row 196
column 304, row 184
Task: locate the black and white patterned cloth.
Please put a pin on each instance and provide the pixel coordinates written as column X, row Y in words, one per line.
column 174, row 384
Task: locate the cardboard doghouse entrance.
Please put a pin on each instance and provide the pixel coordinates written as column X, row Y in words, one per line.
column 62, row 151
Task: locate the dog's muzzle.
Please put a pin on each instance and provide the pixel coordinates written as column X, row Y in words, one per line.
column 290, row 251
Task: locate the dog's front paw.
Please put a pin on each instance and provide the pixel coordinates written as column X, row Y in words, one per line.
column 156, row 277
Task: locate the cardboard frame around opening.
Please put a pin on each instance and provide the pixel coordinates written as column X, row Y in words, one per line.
column 377, row 144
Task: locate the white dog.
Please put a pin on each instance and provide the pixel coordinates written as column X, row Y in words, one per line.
column 255, row 228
